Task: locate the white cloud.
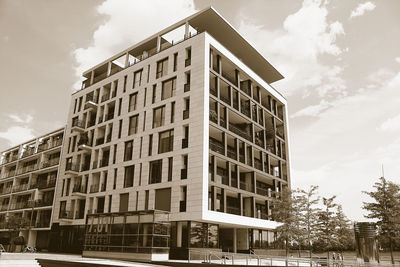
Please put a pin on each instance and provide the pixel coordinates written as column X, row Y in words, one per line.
column 391, row 124
column 128, row 22
column 307, row 35
column 362, row 8
column 19, row 119
column 17, row 134
column 312, row 110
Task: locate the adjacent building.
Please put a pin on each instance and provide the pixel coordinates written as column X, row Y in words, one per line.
column 28, row 179
column 178, row 142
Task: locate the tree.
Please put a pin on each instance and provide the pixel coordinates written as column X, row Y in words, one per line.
column 284, row 211
column 328, row 224
column 385, row 209
column 345, row 235
column 309, row 213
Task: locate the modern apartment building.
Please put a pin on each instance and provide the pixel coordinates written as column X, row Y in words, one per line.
column 28, row 176
column 177, row 143
column 174, row 144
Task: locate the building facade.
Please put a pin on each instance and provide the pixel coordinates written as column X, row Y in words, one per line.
column 177, row 143
column 27, row 189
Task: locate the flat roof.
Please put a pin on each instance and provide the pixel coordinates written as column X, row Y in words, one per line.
column 210, row 21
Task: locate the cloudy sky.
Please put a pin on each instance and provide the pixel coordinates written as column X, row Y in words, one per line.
column 340, row 59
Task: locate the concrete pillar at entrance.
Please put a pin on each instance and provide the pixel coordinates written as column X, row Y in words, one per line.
column 32, row 238
column 179, row 234
column 234, row 241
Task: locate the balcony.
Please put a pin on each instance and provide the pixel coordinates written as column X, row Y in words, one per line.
column 259, row 142
column 67, row 214
column 3, row 207
column 28, row 152
column 79, row 190
column 225, row 99
column 216, row 146
column 258, row 164
column 91, row 101
column 213, row 116
column 232, row 153
column 20, row 205
column 79, row 214
column 235, row 129
column 246, row 186
column 5, row 190
column 233, row 210
column 109, row 116
column 84, row 143
column 9, row 174
column 183, row 174
column 43, row 203
column 71, row 169
column 182, row 206
column 95, row 164
column 43, row 146
column 78, row 126
column 104, row 162
column 105, row 97
column 103, row 187
column 85, row 166
column 185, row 114
column 20, row 187
column 44, row 184
column 188, row 61
column 222, row 122
column 94, row 188
column 91, row 122
column 213, row 91
column 100, row 141
column 50, row 163
column 185, row 143
column 229, row 77
column 43, row 223
column 27, row 168
column 33, row 186
column 186, row 87
column 245, row 109
column 279, row 133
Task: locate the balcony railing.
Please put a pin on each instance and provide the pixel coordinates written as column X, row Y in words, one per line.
column 94, row 188
column 79, row 214
column 27, row 168
column 105, row 97
column 217, row 146
column 104, row 162
column 9, row 174
column 43, row 184
column 92, row 98
column 20, row 187
column 43, row 203
column 222, row 122
column 20, row 205
column 246, row 186
column 28, row 152
column 258, row 164
column 259, row 142
column 245, row 110
column 50, row 163
column 67, row 214
column 242, row 158
column 5, row 190
column 109, row 116
column 226, row 99
column 78, row 124
column 100, row 141
column 72, row 167
column 183, row 174
column 91, row 122
column 213, row 91
column 78, row 188
column 186, row 87
column 213, row 116
column 4, row 207
column 232, row 153
column 85, row 167
column 45, row 223
column 233, row 128
column 233, row 210
column 185, row 114
column 185, row 143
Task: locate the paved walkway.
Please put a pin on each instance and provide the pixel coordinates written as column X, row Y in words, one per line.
column 28, row 260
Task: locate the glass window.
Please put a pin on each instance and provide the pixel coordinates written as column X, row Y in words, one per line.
column 158, row 117
column 212, row 236
column 133, row 124
column 132, row 102
column 155, row 171
column 196, row 235
column 166, row 141
column 129, row 175
column 128, row 150
column 162, row 68
column 137, row 78
column 168, row 88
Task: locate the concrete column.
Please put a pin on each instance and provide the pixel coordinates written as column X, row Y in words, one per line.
column 109, row 64
column 224, row 198
column 126, row 60
column 219, row 64
column 91, row 77
column 234, row 240
column 179, row 234
column 241, row 204
column 187, row 30
column 211, row 58
column 229, row 172
column 158, row 43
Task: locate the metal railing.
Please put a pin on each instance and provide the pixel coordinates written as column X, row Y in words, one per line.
column 217, row 146
column 233, row 128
